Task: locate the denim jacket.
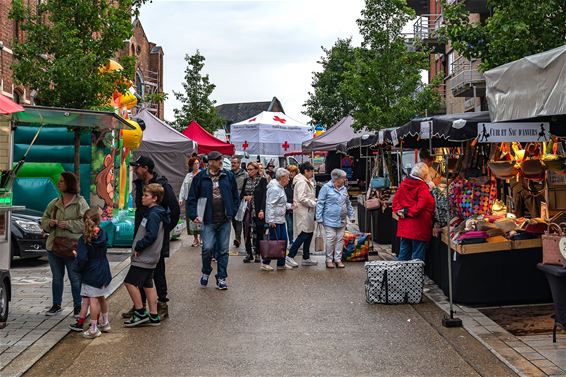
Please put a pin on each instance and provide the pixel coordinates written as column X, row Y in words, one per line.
column 333, row 205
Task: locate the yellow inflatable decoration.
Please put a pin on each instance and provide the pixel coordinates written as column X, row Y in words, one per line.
column 132, row 139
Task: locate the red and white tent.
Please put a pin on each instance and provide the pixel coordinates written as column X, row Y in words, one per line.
column 269, row 133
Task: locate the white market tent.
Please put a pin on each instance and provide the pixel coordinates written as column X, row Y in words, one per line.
column 269, row 133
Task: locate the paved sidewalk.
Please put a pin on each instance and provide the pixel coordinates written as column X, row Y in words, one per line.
column 29, row 333
column 532, row 355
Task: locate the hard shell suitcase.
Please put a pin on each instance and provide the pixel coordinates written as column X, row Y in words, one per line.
column 394, row 282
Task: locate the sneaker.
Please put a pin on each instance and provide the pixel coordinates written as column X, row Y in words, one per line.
column 154, row 321
column 291, row 262
column 339, row 264
column 266, row 267
column 89, row 334
column 129, row 313
column 308, row 262
column 136, row 319
column 284, row 267
column 248, row 258
column 236, row 243
column 54, row 310
column 78, row 327
column 162, row 309
column 204, row 280
column 257, row 259
column 104, row 327
column 221, row 284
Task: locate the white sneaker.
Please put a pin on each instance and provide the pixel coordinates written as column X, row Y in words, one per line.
column 104, row 327
column 284, row 267
column 266, row 267
column 309, row 262
column 89, row 334
column 291, row 262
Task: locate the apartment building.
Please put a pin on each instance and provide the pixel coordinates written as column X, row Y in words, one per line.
column 463, row 89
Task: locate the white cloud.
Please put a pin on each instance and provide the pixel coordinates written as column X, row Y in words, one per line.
column 254, row 49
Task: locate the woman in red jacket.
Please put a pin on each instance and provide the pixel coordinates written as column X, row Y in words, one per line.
column 414, row 205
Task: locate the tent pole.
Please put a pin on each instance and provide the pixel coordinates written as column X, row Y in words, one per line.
column 78, row 154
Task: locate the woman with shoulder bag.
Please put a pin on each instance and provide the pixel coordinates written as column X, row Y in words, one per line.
column 254, row 192
column 194, row 167
column 63, row 220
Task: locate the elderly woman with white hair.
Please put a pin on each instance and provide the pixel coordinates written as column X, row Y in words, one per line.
column 276, row 206
column 333, row 207
column 414, row 204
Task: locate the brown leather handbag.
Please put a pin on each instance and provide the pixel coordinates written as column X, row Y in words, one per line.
column 503, row 169
column 551, row 253
column 533, row 169
column 272, row 249
column 63, row 246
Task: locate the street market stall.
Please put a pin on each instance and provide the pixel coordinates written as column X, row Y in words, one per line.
column 269, row 133
column 206, row 143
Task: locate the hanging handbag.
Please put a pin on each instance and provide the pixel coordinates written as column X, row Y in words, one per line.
column 63, row 246
column 373, row 203
column 379, row 182
column 533, row 169
column 319, row 238
column 272, row 249
column 503, row 169
column 551, row 242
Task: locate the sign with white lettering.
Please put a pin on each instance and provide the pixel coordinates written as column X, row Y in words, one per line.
column 426, row 129
column 380, row 137
column 508, row 132
column 394, row 138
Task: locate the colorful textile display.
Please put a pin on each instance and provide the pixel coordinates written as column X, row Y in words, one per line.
column 356, row 246
column 471, row 199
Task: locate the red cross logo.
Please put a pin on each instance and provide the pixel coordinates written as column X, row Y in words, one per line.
column 245, row 145
column 285, row 145
column 252, row 120
column 280, row 120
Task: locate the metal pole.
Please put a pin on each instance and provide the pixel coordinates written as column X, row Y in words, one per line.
column 78, row 154
column 449, row 321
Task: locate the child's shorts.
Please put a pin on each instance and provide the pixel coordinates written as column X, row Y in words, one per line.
column 90, row 291
column 140, row 277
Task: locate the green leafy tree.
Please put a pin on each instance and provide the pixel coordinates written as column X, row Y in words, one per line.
column 195, row 100
column 327, row 104
column 384, row 82
column 514, row 29
column 66, row 42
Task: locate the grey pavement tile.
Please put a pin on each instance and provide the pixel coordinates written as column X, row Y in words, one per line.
column 523, row 349
column 533, row 356
column 554, row 371
column 544, row 363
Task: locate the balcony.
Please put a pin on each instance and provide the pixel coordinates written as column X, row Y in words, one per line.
column 466, row 79
column 420, row 6
column 425, row 31
column 473, row 6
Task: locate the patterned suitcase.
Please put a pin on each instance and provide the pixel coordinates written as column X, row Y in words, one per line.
column 394, row 282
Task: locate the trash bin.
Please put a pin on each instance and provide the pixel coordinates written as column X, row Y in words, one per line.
column 556, row 276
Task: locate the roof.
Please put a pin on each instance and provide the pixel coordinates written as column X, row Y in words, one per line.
column 205, row 141
column 7, row 106
column 338, row 134
column 237, row 112
column 160, row 136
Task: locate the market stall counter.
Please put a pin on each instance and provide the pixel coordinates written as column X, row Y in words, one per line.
column 378, row 222
column 497, row 272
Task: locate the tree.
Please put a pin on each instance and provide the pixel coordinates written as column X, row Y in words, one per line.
column 384, row 82
column 196, row 102
column 66, row 42
column 327, row 104
column 514, row 29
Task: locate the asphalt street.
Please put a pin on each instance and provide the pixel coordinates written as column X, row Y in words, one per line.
column 309, row 321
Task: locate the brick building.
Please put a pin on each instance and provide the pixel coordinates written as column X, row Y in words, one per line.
column 463, row 89
column 149, row 60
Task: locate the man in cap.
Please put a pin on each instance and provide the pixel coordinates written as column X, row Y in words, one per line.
column 218, row 187
column 145, row 173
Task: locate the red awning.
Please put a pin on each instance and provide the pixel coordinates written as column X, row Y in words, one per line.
column 7, row 106
column 205, row 141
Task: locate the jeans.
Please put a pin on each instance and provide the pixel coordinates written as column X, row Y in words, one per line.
column 215, row 242
column 411, row 249
column 160, row 282
column 277, row 233
column 237, row 225
column 334, row 243
column 289, row 220
column 305, row 240
column 58, row 266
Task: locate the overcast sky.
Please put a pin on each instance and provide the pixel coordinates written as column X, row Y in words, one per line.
column 254, row 49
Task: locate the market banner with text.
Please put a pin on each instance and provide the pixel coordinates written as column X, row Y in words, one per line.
column 508, row 132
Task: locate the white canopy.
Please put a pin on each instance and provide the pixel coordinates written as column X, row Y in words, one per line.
column 269, row 133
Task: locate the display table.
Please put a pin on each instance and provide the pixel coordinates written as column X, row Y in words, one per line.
column 493, row 273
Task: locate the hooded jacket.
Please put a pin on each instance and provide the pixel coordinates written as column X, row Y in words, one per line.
column 415, row 199
column 149, row 238
column 169, row 203
column 91, row 261
column 276, row 204
column 333, row 206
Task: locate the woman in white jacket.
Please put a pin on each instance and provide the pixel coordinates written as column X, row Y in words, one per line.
column 194, row 168
column 303, row 215
column 275, row 208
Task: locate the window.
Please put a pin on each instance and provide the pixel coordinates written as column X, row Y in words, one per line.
column 449, row 63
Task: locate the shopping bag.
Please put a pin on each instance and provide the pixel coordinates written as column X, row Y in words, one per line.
column 272, row 249
column 241, row 211
column 319, row 238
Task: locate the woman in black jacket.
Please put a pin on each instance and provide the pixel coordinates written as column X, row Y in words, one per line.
column 254, row 192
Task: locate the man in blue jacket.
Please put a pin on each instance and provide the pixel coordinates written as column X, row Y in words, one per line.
column 218, row 187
